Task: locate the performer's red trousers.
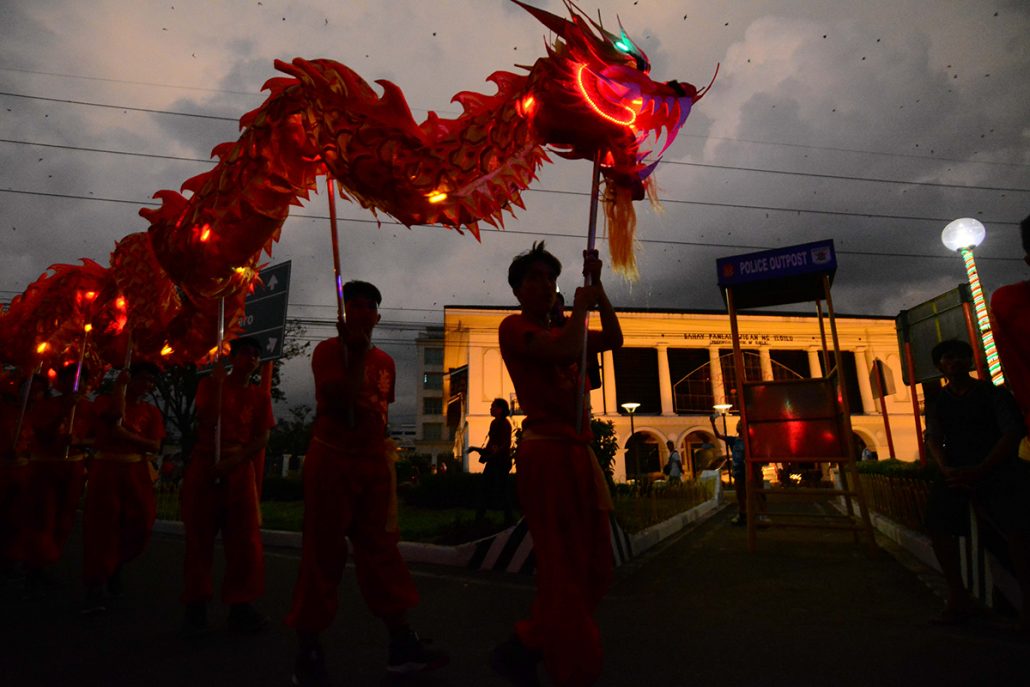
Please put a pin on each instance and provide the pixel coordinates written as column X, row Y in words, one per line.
column 347, row 497
column 54, row 491
column 14, row 480
column 559, row 490
column 231, row 506
column 120, row 514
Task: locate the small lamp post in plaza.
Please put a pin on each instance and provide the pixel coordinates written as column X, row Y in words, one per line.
column 724, row 409
column 632, row 408
column 963, row 235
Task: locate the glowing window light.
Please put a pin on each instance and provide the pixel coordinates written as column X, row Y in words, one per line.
column 983, row 320
column 437, row 197
column 596, row 108
column 166, row 350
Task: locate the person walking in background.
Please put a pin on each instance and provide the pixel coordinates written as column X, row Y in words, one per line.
column 562, row 490
column 737, row 465
column 496, row 456
column 350, row 493
column 221, row 495
column 120, row 505
column 674, row 465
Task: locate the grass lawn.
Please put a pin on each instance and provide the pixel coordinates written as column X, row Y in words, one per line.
column 435, row 526
column 450, row 526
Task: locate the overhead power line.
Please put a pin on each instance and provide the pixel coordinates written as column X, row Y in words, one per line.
column 738, row 206
column 813, row 175
column 686, row 135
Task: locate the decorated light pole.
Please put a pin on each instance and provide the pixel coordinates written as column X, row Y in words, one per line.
column 963, row 235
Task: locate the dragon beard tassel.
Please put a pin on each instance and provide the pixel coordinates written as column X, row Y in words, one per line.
column 622, row 225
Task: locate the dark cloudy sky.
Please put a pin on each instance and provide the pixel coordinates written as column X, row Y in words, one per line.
column 873, row 123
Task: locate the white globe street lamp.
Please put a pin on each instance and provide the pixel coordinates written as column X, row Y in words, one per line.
column 963, row 235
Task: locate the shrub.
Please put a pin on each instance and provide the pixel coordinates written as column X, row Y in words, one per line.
column 897, row 468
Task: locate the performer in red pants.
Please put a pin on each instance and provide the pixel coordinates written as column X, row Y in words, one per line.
column 120, row 506
column 14, row 478
column 561, row 487
column 223, row 495
column 349, row 493
column 60, row 427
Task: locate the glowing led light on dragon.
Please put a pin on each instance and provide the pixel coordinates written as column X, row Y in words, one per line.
column 437, row 197
column 596, row 108
column 42, row 348
column 166, row 350
column 963, row 235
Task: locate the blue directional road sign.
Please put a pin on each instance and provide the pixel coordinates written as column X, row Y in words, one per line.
column 265, row 316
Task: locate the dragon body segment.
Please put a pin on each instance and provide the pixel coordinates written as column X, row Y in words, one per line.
column 590, row 96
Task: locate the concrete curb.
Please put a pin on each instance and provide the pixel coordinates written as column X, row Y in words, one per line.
column 655, row 534
column 461, row 554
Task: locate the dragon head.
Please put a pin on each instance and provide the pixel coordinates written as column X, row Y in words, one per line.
column 592, row 95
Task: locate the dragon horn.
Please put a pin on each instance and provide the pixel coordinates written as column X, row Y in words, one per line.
column 551, row 21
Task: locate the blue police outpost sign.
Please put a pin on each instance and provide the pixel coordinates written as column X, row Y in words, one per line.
column 775, row 277
column 265, row 315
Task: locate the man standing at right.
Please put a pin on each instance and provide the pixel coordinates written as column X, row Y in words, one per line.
column 561, row 487
column 972, row 431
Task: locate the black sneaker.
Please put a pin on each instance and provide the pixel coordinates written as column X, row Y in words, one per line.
column 195, row 621
column 246, row 619
column 512, row 660
column 309, row 669
column 409, row 654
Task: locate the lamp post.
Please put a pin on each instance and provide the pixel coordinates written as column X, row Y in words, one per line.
column 963, row 235
column 723, row 409
column 632, row 408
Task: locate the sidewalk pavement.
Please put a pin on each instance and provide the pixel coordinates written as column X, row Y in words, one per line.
column 808, row 608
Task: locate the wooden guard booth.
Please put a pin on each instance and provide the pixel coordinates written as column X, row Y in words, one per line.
column 794, row 421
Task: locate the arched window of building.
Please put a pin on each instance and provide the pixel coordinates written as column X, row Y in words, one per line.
column 643, row 456
column 691, row 376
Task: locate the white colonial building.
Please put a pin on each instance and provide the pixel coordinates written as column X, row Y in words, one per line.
column 677, row 365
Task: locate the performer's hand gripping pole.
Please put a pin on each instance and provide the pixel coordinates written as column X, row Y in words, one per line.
column 595, row 189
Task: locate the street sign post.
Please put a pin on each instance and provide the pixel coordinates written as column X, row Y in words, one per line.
column 265, row 315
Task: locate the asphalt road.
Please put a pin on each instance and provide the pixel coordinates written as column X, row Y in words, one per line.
column 809, row 608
